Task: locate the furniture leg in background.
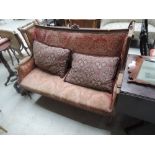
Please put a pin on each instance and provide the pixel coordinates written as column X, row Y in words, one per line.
column 13, row 51
column 11, row 72
column 10, row 56
column 5, row 46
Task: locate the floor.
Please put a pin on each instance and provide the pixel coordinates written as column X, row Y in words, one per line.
column 41, row 115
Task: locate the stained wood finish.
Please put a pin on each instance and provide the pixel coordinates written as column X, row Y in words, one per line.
column 84, row 23
column 133, row 72
column 136, row 100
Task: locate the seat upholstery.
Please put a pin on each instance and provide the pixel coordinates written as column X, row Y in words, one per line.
column 55, row 87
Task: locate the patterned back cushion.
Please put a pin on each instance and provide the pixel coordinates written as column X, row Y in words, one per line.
column 93, row 72
column 91, row 42
column 51, row 59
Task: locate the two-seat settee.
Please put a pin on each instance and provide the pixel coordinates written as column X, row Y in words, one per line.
column 94, row 42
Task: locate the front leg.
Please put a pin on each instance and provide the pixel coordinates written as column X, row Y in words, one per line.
column 21, row 91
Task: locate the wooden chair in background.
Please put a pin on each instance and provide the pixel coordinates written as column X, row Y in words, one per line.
column 84, row 23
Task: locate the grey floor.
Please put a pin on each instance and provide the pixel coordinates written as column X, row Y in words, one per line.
column 41, row 115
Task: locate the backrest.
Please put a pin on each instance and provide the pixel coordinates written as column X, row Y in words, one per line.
column 86, row 41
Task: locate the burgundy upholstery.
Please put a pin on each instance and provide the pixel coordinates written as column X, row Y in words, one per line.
column 93, row 42
column 102, row 44
column 112, row 43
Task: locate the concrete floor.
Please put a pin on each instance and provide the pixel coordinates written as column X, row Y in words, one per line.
column 12, row 25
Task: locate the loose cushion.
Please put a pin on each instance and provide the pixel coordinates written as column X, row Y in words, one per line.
column 51, row 59
column 93, row 72
column 53, row 86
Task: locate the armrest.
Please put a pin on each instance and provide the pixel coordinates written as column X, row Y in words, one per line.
column 117, row 87
column 119, row 80
column 25, row 67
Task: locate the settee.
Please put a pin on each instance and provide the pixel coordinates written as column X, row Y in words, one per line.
column 94, row 42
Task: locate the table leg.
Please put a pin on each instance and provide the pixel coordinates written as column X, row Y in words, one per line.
column 124, row 124
column 10, row 57
column 117, row 128
column 13, row 51
column 11, row 72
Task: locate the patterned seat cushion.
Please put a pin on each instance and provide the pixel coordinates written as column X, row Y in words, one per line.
column 53, row 86
column 52, row 59
column 93, row 72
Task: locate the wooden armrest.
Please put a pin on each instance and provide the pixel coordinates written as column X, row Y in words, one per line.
column 131, row 29
column 119, row 80
column 117, row 87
